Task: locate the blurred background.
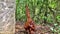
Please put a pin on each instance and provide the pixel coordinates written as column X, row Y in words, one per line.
column 46, row 12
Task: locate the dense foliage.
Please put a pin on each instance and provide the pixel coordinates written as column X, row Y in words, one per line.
column 41, row 11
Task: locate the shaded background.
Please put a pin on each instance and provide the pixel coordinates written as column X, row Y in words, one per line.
column 7, row 16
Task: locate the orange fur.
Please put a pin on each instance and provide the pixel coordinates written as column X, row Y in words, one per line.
column 29, row 25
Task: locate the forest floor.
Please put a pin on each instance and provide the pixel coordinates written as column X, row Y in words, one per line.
column 40, row 29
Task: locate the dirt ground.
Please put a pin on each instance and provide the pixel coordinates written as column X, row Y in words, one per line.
column 40, row 29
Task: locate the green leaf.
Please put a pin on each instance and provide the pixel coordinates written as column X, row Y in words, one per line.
column 52, row 4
